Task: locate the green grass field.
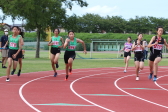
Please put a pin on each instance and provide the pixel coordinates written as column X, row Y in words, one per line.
column 31, row 64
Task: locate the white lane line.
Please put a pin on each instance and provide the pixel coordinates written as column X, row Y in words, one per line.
column 115, row 83
column 71, row 87
column 21, row 88
column 159, row 85
column 21, row 94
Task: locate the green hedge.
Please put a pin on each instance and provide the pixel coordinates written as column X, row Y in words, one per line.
column 29, row 37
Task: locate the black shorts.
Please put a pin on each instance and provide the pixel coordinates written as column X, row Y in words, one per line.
column 69, row 54
column 127, row 54
column 20, row 55
column 12, row 52
column 152, row 57
column 54, row 51
column 139, row 56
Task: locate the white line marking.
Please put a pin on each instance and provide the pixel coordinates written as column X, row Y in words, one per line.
column 22, row 97
column 161, row 86
column 115, row 83
column 71, row 87
column 21, row 88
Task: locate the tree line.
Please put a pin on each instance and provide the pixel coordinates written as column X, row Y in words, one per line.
column 115, row 24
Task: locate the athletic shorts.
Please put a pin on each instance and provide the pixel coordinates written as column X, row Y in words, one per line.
column 20, row 55
column 12, row 52
column 5, row 53
column 69, row 54
column 54, row 51
column 152, row 57
column 127, row 54
column 139, row 56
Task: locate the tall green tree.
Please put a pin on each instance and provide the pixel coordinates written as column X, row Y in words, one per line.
column 39, row 14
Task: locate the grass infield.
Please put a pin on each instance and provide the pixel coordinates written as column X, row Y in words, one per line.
column 31, row 64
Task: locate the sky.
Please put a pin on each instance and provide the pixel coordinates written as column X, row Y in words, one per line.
column 125, row 8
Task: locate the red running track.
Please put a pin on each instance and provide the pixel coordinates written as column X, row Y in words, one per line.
column 87, row 90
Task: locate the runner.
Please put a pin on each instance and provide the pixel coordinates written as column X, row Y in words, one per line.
column 4, row 50
column 127, row 52
column 138, row 47
column 69, row 56
column 15, row 46
column 56, row 44
column 156, row 45
column 20, row 55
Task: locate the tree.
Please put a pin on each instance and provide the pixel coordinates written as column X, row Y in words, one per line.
column 39, row 14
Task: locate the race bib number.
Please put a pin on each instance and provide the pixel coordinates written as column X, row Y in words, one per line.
column 138, row 48
column 158, row 46
column 55, row 43
column 13, row 44
column 127, row 50
column 72, row 47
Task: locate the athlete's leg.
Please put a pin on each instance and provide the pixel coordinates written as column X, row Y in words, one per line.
column 141, row 66
column 151, row 66
column 127, row 62
column 52, row 62
column 137, row 68
column 70, row 62
column 155, row 65
column 56, row 58
column 9, row 67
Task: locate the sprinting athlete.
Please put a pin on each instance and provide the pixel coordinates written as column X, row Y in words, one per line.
column 56, row 44
column 20, row 55
column 69, row 56
column 138, row 47
column 127, row 52
column 156, row 45
column 15, row 46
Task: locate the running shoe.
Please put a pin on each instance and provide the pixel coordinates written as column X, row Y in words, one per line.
column 150, row 76
column 55, row 74
column 137, row 78
column 57, row 66
column 18, row 73
column 125, row 71
column 154, row 79
column 66, row 78
column 7, row 79
column 4, row 67
column 70, row 71
column 12, row 73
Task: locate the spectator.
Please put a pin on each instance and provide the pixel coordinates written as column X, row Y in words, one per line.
column 4, row 50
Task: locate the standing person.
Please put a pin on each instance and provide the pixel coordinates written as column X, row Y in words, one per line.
column 15, row 46
column 138, row 47
column 4, row 49
column 146, row 49
column 56, row 44
column 156, row 45
column 127, row 52
column 20, row 55
column 69, row 56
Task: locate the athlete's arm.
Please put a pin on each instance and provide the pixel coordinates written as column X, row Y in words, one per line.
column 83, row 44
column 143, row 45
column 66, row 43
column 133, row 46
column 22, row 42
column 50, row 43
column 150, row 43
column 165, row 43
column 123, row 48
column 62, row 40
